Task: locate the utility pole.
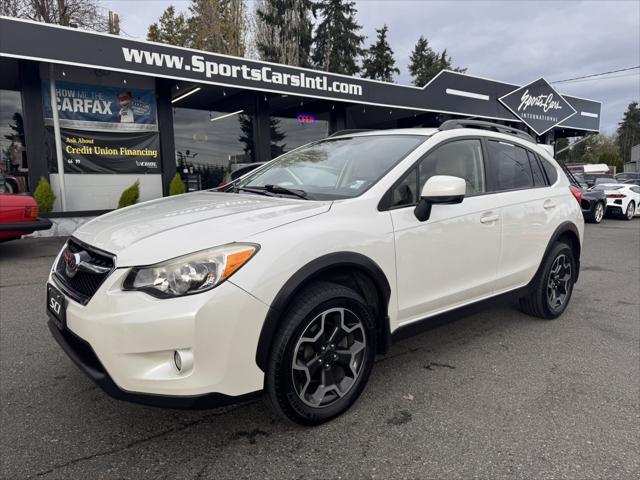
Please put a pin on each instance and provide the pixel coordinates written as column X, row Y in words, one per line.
column 114, row 23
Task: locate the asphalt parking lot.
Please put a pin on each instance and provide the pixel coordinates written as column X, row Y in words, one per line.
column 496, row 394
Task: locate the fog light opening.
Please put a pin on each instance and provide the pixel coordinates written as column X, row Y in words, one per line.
column 183, row 360
column 177, row 360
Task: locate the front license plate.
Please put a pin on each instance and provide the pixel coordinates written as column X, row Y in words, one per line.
column 56, row 306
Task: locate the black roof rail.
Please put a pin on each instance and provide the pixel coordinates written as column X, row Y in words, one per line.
column 482, row 125
column 350, row 131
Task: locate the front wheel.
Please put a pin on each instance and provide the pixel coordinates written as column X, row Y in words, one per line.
column 553, row 285
column 631, row 210
column 322, row 355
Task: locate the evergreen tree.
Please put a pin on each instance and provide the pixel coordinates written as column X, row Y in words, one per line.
column 213, row 25
column 337, row 44
column 628, row 132
column 425, row 63
column 378, row 62
column 218, row 26
column 246, row 137
column 171, row 29
column 562, row 144
column 284, row 31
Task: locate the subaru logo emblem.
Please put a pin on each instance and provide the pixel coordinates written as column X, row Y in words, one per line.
column 72, row 261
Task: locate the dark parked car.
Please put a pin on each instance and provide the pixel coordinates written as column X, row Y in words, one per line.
column 592, row 202
column 595, row 178
column 628, row 177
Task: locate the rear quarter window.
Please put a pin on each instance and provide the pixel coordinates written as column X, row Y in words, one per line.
column 549, row 170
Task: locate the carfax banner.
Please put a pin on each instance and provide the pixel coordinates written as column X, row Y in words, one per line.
column 108, row 152
column 98, row 107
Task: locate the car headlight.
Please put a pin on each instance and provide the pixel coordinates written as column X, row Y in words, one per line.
column 193, row 273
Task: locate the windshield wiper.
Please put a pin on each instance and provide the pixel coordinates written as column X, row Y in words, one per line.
column 286, row 191
column 258, row 191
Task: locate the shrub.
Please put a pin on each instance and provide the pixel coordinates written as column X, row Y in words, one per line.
column 130, row 195
column 44, row 195
column 176, row 187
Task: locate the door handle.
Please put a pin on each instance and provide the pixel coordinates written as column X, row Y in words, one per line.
column 489, row 219
column 549, row 204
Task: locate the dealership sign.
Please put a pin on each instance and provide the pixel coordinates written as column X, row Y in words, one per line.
column 450, row 93
column 539, row 106
column 97, row 107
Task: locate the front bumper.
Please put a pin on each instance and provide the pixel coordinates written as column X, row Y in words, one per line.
column 81, row 353
column 125, row 341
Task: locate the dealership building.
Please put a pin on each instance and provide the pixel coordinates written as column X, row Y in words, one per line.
column 93, row 112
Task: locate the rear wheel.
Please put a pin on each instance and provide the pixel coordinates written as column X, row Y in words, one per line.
column 553, row 285
column 322, row 355
column 598, row 213
column 631, row 210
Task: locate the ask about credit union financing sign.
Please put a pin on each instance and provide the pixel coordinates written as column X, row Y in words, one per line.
column 538, row 105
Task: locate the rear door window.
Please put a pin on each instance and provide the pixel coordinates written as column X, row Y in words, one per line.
column 511, row 166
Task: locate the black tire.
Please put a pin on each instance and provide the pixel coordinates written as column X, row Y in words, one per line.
column 597, row 214
column 631, row 209
column 539, row 302
column 283, row 379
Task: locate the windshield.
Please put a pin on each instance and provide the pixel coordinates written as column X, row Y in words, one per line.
column 333, row 168
column 607, row 187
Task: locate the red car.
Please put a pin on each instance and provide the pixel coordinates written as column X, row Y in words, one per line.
column 19, row 216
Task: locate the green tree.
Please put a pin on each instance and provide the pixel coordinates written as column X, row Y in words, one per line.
column 602, row 149
column 44, row 196
column 177, row 186
column 337, row 43
column 171, row 28
column 246, row 137
column 284, row 31
column 628, row 132
column 378, row 62
column 425, row 63
column 562, row 144
column 130, row 195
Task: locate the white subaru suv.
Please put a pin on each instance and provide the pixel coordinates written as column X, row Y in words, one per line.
column 294, row 277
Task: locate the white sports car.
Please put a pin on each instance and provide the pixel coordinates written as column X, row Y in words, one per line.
column 623, row 199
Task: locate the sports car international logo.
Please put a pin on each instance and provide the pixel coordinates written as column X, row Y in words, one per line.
column 538, row 105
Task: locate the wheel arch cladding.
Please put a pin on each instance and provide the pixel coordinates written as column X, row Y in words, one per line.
column 350, row 269
column 568, row 233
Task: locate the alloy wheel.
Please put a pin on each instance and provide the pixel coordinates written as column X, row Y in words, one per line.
column 630, row 210
column 599, row 213
column 328, row 357
column 559, row 282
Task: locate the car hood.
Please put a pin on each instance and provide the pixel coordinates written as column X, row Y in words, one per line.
column 169, row 227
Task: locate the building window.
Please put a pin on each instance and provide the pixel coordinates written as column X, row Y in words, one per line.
column 13, row 152
column 292, row 133
column 206, row 149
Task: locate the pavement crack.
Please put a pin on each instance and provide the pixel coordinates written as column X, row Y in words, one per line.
column 433, row 365
column 178, row 428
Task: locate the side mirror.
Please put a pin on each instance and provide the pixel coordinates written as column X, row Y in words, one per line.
column 443, row 189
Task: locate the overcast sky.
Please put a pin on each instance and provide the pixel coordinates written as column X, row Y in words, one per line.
column 511, row 41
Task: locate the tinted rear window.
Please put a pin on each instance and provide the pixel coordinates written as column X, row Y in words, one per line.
column 511, row 164
column 550, row 170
